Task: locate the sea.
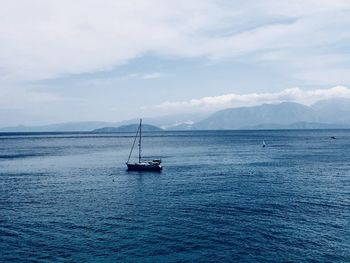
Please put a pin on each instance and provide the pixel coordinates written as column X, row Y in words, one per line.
column 221, row 197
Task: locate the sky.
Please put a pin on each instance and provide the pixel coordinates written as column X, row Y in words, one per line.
column 112, row 60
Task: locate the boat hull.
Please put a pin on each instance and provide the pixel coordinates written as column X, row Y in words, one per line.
column 143, row 167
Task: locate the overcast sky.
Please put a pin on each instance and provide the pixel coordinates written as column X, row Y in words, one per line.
column 110, row 60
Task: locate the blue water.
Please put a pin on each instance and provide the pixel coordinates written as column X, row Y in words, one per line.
column 221, row 197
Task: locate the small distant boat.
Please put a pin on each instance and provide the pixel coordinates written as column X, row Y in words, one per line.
column 142, row 165
column 333, row 137
column 263, row 144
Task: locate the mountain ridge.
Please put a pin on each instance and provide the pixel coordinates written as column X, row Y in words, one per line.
column 128, row 128
column 237, row 118
column 324, row 114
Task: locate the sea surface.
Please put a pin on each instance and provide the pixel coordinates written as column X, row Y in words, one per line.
column 221, row 197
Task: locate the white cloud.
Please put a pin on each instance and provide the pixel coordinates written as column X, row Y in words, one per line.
column 238, row 100
column 110, row 81
column 44, row 39
column 153, row 75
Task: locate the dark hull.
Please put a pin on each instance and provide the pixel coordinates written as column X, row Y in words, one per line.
column 140, row 167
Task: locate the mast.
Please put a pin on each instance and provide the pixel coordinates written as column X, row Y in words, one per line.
column 133, row 144
column 140, row 140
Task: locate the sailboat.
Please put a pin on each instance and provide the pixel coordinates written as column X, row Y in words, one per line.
column 142, row 165
column 263, row 144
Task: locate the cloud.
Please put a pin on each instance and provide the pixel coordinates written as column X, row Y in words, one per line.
column 304, row 40
column 153, row 75
column 110, row 81
column 238, row 100
column 47, row 39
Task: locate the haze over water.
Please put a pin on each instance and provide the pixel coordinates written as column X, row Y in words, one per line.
column 220, row 197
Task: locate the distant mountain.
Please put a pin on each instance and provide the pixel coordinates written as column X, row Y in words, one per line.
column 325, row 114
column 297, row 126
column 128, row 128
column 170, row 122
column 238, row 118
column 176, row 122
column 185, row 126
column 60, row 127
column 333, row 110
